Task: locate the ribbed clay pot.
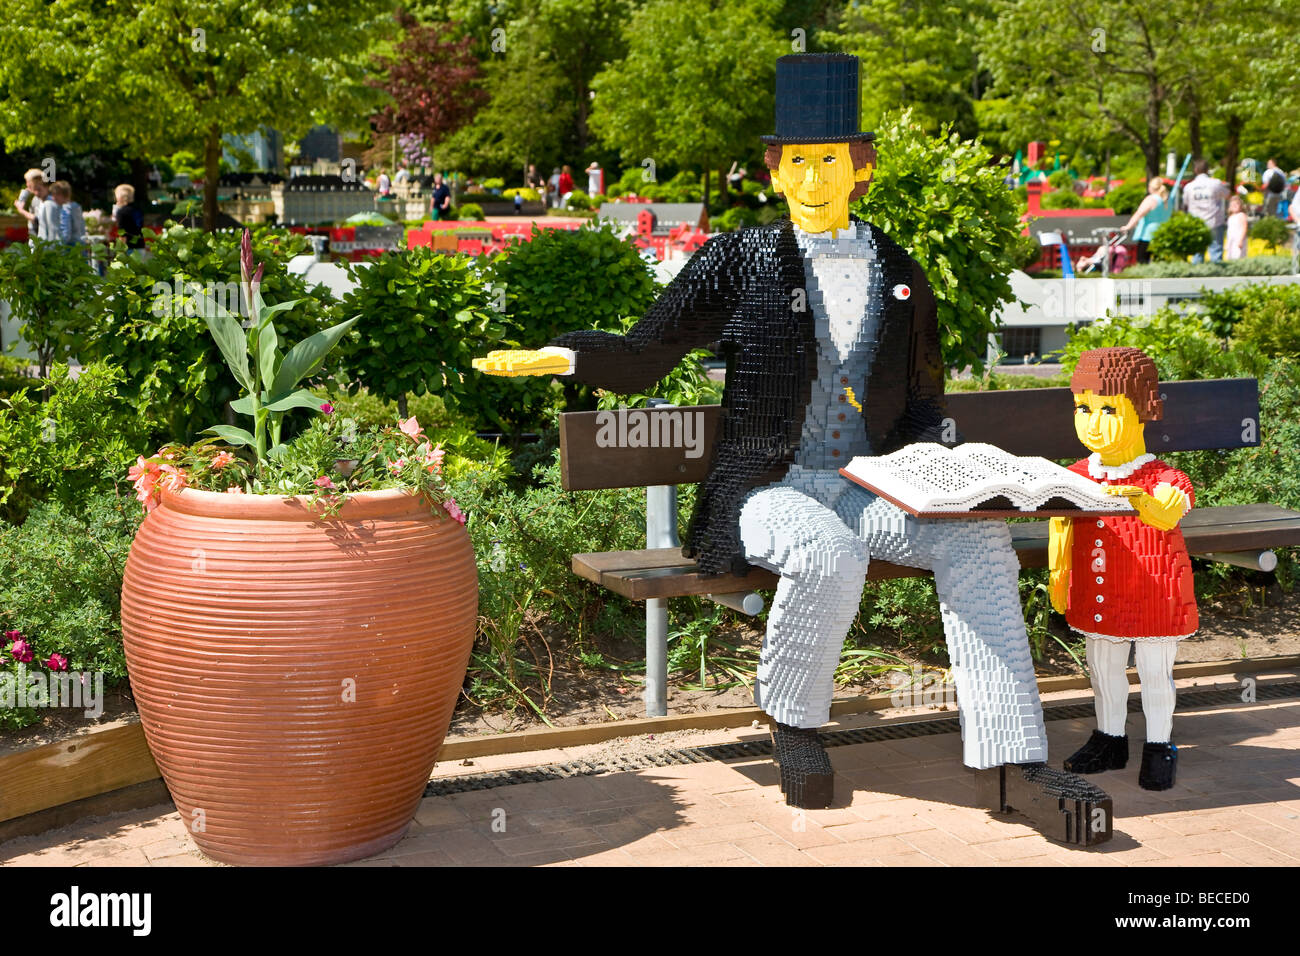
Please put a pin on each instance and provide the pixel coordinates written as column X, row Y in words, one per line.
column 296, row 674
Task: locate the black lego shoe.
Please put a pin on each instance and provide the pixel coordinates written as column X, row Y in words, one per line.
column 1102, row 752
column 1060, row 805
column 1159, row 766
column 807, row 778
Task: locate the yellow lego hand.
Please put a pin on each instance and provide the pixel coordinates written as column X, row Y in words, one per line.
column 1162, row 511
column 516, row 362
column 1060, row 589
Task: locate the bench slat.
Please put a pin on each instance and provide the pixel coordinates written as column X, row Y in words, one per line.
column 664, row 573
column 1199, row 415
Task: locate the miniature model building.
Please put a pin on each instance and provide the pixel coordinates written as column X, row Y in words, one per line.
column 831, row 340
column 1126, row 579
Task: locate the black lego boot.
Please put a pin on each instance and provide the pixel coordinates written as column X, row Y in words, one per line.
column 1060, row 805
column 1101, row 752
column 1159, row 766
column 807, row 778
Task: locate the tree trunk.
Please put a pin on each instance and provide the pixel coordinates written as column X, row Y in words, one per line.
column 1232, row 150
column 706, row 187
column 584, row 106
column 724, row 189
column 140, row 180
column 401, row 406
column 1151, row 148
column 1194, row 127
column 211, row 177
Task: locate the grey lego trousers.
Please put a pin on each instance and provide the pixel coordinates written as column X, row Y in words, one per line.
column 819, row 531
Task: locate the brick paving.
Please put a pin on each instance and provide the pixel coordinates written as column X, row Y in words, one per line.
column 905, row 802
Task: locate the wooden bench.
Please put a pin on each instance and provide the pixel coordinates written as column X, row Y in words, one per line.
column 1200, row 415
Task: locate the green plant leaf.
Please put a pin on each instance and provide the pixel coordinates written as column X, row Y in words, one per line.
column 235, row 436
column 242, row 406
column 307, row 355
column 268, row 357
column 268, row 311
column 229, row 336
column 299, row 399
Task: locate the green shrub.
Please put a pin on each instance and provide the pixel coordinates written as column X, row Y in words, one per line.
column 1182, row 345
column 149, row 325
column 423, row 316
column 1025, row 251
column 1253, row 266
column 61, row 583
column 1271, row 230
column 1223, row 310
column 78, row 442
column 961, row 227
column 1270, row 322
column 51, row 291
column 493, row 182
column 1062, row 199
column 14, row 375
column 734, row 218
column 1061, row 179
column 470, row 210
column 1180, row 236
column 1125, row 199
column 529, row 194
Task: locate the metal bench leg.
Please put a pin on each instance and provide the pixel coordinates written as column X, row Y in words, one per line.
column 660, row 532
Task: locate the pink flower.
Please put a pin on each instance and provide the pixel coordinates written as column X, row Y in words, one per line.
column 396, row 466
column 57, row 662
column 324, row 482
column 327, row 408
column 412, row 428
column 234, row 490
column 433, row 458
column 453, row 509
column 173, row 479
column 13, row 635
column 21, row 651
column 221, row 459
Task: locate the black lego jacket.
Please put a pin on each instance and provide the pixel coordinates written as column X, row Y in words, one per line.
column 744, row 294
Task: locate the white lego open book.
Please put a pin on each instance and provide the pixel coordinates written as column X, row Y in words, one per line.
column 934, row 481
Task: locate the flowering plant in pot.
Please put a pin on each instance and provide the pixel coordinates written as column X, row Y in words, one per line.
column 258, row 562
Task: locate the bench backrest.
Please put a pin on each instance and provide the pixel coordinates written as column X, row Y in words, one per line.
column 637, row 448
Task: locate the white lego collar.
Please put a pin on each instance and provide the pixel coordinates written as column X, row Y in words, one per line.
column 1097, row 471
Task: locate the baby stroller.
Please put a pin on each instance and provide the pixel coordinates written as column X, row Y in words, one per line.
column 1111, row 255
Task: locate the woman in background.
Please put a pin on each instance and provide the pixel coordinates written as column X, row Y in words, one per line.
column 1151, row 213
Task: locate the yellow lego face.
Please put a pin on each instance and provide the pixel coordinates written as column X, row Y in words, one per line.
column 816, row 180
column 1107, row 424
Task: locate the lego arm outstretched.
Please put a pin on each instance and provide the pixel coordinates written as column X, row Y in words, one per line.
column 1060, row 541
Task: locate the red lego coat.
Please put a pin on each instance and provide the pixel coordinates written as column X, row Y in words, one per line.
column 1129, row 580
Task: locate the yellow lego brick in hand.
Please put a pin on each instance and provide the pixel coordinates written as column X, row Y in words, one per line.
column 515, row 362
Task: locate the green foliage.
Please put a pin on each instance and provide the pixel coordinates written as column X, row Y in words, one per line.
column 61, row 580
column 470, row 210
column 150, row 326
column 78, row 442
column 1125, row 199
column 1223, row 310
column 1180, row 236
column 579, row 201
column 422, row 317
column 687, row 384
column 493, row 182
column 1000, row 381
column 1182, row 345
column 1062, row 199
column 1271, row 230
column 736, row 217
column 1253, row 266
column 1025, row 251
column 943, row 200
column 530, row 195
column 561, row 281
column 1061, row 180
column 13, row 375
column 1270, row 322
column 51, row 291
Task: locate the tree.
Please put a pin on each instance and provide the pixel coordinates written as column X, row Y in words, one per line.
column 155, row 76
column 695, row 89
column 433, row 79
column 918, row 54
column 1091, row 69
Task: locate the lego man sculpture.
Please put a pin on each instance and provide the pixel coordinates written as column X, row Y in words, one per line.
column 832, row 347
column 1125, row 580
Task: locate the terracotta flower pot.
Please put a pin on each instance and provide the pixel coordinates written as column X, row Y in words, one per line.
column 295, row 675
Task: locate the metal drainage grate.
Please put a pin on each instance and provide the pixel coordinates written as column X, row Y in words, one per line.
column 834, row 738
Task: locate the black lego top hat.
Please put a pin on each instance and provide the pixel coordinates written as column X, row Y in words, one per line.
column 817, row 99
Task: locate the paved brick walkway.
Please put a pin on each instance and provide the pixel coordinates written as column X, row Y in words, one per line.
column 903, row 802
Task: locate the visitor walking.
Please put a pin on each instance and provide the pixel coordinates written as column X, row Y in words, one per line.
column 1154, row 210
column 564, row 188
column 441, row 202
column 1204, row 197
column 553, row 189
column 385, row 185
column 130, row 222
column 61, row 218
column 595, row 175
column 1234, row 244
column 1273, row 183
column 34, row 192
column 533, row 180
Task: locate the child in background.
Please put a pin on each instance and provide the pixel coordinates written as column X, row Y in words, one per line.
column 128, row 219
column 1234, row 243
column 1125, row 579
column 60, row 217
column 34, row 192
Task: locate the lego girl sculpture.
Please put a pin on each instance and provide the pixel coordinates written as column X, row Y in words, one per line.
column 1125, row 579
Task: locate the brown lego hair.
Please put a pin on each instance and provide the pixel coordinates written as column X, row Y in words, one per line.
column 1121, row 371
column 861, row 153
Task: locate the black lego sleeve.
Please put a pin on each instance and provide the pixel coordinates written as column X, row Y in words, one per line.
column 691, row 313
column 925, row 414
